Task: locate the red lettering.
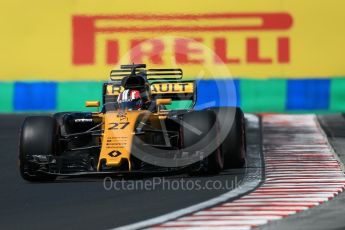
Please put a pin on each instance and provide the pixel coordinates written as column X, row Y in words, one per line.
column 183, row 51
column 112, row 52
column 220, row 49
column 83, row 40
column 283, row 50
column 85, row 30
column 253, row 54
column 154, row 55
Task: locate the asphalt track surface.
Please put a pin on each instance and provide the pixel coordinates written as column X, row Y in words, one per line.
column 85, row 203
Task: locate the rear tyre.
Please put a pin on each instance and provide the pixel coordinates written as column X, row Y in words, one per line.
column 200, row 134
column 234, row 142
column 38, row 137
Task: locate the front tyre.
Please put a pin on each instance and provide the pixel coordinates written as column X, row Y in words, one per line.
column 38, row 137
column 201, row 135
column 233, row 135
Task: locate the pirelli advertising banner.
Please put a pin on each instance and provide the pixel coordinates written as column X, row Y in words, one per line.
column 82, row 39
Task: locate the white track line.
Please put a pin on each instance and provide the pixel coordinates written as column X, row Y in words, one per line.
column 251, row 180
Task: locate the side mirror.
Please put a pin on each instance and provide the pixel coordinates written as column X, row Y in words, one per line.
column 92, row 104
column 163, row 102
column 160, row 102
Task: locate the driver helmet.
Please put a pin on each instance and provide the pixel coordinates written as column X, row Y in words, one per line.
column 130, row 99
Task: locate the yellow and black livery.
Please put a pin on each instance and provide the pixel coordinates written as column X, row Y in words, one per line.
column 117, row 140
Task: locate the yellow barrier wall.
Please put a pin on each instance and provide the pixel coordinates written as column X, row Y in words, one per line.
column 83, row 39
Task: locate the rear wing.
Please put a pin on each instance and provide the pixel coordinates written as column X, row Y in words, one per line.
column 148, row 74
column 176, row 90
column 164, row 83
column 181, row 90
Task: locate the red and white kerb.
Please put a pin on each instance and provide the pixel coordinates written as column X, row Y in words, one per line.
column 300, row 173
